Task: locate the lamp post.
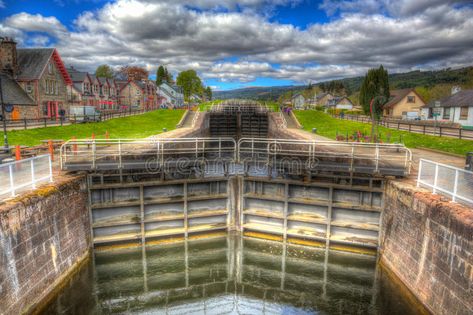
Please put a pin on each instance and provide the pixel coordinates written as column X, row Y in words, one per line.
column 4, row 119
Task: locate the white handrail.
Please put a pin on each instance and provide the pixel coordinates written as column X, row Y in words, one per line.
column 16, row 173
column 458, row 187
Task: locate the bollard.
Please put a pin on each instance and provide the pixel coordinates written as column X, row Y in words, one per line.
column 107, row 135
column 165, row 129
column 17, row 153
column 314, row 130
column 51, row 149
column 93, row 136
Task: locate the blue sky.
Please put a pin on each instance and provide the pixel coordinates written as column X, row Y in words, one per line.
column 234, row 44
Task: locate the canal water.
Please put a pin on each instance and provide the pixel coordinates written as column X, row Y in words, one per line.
column 230, row 275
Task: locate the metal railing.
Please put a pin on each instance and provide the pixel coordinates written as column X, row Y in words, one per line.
column 453, row 182
column 383, row 159
column 282, row 119
column 143, row 153
column 352, row 157
column 24, row 174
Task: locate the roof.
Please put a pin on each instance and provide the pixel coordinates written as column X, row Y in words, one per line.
column 297, row 95
column 462, row 98
column 13, row 93
column 33, row 61
column 336, row 100
column 103, row 80
column 77, row 76
column 398, row 95
column 322, row 95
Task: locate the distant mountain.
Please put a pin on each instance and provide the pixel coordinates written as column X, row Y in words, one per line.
column 396, row 80
column 257, row 93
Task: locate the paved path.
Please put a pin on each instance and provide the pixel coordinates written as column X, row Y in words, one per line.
column 188, row 120
column 290, row 121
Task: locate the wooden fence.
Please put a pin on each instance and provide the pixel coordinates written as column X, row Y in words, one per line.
column 415, row 127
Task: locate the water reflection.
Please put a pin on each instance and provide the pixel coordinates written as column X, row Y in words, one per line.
column 230, row 275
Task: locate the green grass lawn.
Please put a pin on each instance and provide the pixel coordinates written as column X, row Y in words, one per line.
column 139, row 126
column 329, row 127
column 207, row 105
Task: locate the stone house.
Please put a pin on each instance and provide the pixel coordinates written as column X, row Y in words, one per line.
column 81, row 88
column 42, row 75
column 405, row 104
column 108, row 94
column 457, row 107
column 138, row 95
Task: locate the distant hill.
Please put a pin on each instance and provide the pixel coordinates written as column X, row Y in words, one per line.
column 411, row 79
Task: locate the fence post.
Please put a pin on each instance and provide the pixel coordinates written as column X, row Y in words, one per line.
column 44, row 122
column 424, row 129
column 460, row 133
column 33, row 179
column 435, row 179
column 24, row 120
column 17, row 153
column 455, row 187
column 12, row 185
column 51, row 149
column 440, row 128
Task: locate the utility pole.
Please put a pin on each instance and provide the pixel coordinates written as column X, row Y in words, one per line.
column 4, row 118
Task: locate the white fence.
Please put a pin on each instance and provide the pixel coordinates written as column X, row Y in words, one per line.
column 447, row 180
column 24, row 174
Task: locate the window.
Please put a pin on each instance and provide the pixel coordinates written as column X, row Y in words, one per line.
column 51, row 87
column 46, row 84
column 446, row 113
column 50, row 68
column 411, row 99
column 56, row 84
column 464, row 113
column 29, row 87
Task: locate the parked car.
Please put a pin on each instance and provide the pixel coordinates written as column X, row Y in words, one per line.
column 84, row 114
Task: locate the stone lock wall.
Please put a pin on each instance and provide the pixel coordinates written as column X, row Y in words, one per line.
column 43, row 237
column 428, row 244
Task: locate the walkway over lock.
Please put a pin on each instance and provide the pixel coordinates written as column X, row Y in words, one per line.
column 284, row 155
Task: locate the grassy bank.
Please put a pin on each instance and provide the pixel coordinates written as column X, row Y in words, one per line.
column 330, row 127
column 139, row 126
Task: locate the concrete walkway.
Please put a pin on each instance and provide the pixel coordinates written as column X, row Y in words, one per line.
column 188, row 120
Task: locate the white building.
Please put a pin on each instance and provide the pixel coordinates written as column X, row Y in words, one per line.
column 298, row 101
column 172, row 94
column 457, row 107
column 340, row 103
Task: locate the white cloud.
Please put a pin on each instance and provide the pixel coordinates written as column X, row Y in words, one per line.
column 401, row 35
column 2, row 4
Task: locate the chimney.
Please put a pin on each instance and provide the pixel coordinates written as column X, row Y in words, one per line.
column 456, row 89
column 8, row 56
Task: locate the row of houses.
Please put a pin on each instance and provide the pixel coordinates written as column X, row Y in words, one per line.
column 38, row 84
column 403, row 104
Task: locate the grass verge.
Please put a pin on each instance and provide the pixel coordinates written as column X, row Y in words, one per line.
column 329, row 127
column 139, row 126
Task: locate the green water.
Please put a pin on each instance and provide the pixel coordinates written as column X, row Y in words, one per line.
column 230, row 275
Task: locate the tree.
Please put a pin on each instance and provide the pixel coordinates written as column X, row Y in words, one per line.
column 374, row 93
column 190, row 83
column 375, row 86
column 168, row 76
column 104, row 71
column 132, row 73
column 161, row 75
column 208, row 93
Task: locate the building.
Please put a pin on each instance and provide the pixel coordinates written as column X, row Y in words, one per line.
column 457, row 108
column 80, row 93
column 16, row 98
column 41, row 73
column 341, row 102
column 403, row 104
column 138, row 94
column 323, row 99
column 172, row 94
column 298, row 101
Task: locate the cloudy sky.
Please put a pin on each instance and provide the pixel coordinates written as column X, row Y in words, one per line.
column 235, row 44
